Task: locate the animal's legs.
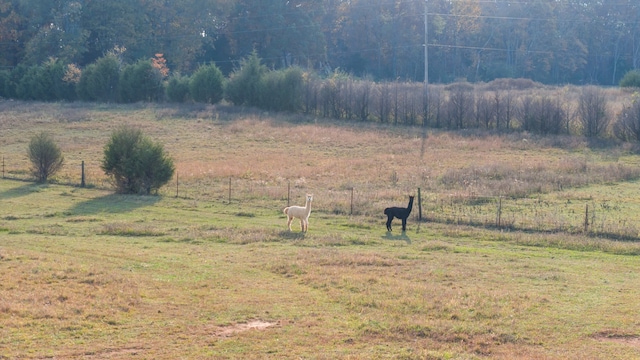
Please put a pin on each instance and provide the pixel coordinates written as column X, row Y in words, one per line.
column 404, row 224
column 290, row 219
column 389, row 218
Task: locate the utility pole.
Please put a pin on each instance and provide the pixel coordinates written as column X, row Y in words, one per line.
column 426, row 54
column 425, row 91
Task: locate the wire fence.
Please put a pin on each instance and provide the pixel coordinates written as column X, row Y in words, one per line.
column 531, row 214
column 575, row 216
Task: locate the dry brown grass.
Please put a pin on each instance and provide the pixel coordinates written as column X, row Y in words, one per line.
column 222, row 153
column 258, row 148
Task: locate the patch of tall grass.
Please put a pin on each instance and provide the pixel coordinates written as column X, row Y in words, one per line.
column 516, row 181
column 129, row 229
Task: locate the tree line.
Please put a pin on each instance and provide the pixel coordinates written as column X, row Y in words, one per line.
column 553, row 42
column 501, row 105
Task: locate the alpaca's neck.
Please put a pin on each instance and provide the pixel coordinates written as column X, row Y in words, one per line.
column 410, row 206
column 307, row 205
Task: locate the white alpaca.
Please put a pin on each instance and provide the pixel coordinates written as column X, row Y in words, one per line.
column 300, row 212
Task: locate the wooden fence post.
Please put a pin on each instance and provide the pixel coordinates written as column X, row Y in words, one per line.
column 499, row 214
column 351, row 212
column 586, row 219
column 82, row 179
column 419, row 205
column 177, row 183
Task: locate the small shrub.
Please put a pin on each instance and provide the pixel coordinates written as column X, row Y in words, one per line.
column 542, row 115
column 207, row 84
column 45, row 156
column 140, row 82
column 137, row 165
column 99, row 81
column 178, row 88
column 281, row 90
column 592, row 111
column 631, row 79
column 627, row 125
column 245, row 83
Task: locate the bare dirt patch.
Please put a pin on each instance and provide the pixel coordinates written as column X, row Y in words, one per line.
column 230, row 330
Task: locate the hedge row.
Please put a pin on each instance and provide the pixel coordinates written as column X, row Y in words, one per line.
column 506, row 104
column 109, row 80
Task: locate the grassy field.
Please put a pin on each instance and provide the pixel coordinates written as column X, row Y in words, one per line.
column 90, row 274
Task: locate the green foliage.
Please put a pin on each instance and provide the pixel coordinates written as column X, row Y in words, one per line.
column 245, row 84
column 14, row 78
column 99, row 81
column 254, row 85
column 178, row 88
column 309, row 33
column 140, row 82
column 84, row 88
column 44, row 82
column 631, row 79
column 207, row 84
column 63, row 37
column 45, row 156
column 137, row 164
column 16, row 74
column 5, row 77
column 62, row 88
column 282, row 90
column 28, row 86
column 285, row 33
column 48, row 82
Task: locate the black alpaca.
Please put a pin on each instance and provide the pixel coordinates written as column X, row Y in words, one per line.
column 400, row 213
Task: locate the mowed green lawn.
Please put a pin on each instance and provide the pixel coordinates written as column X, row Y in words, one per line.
column 89, row 274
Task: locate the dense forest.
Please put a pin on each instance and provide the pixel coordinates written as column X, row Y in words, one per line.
column 549, row 41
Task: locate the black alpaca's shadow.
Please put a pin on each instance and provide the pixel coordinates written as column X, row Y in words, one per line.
column 403, row 237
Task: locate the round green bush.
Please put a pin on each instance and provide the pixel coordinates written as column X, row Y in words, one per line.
column 207, row 84
column 631, row 79
column 137, row 164
column 45, row 156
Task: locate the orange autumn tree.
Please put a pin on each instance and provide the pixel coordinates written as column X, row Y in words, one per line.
column 160, row 63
